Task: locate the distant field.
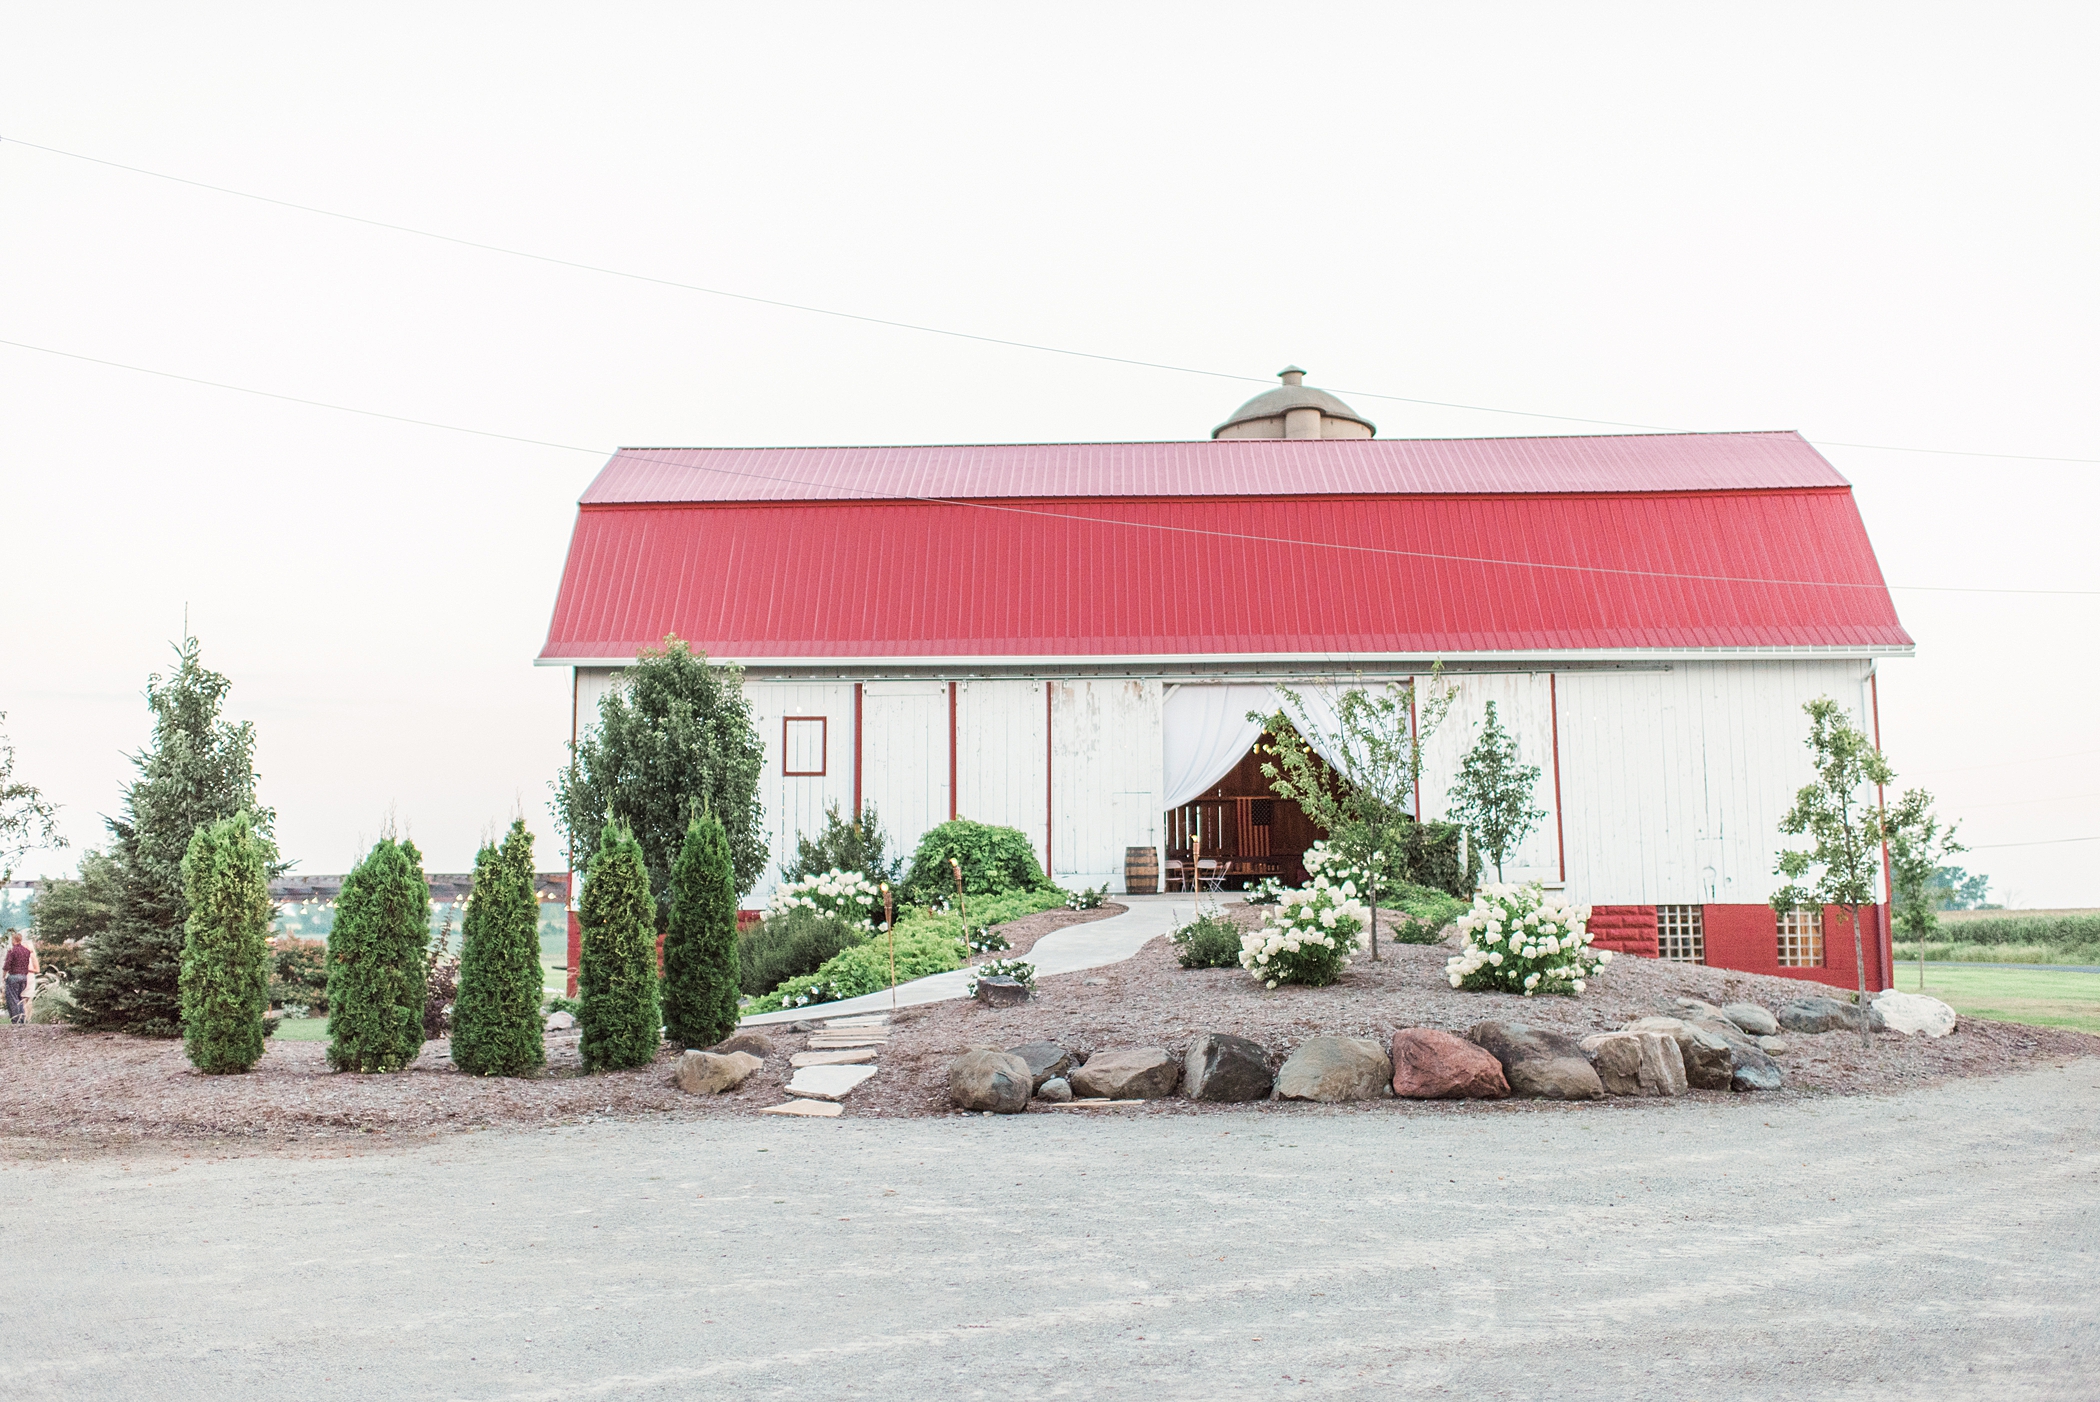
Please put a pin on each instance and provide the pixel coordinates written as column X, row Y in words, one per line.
column 2041, row 997
column 1957, row 917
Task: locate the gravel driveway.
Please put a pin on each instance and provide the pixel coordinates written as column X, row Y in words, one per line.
column 1938, row 1243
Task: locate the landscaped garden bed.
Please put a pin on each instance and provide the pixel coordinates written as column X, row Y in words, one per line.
column 86, row 1090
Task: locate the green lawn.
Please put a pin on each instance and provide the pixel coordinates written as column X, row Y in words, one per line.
column 2043, row 997
column 302, row 1029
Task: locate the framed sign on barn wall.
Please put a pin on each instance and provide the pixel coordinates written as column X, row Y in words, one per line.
column 802, row 745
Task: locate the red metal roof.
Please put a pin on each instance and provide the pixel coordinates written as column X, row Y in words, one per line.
column 1663, row 462
column 1495, row 562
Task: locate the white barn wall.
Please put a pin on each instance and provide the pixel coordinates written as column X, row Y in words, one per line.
column 1524, row 706
column 795, row 804
column 904, row 757
column 1000, row 740
column 1674, row 782
column 1106, row 776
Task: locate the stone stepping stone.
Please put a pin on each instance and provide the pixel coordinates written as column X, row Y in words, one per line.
column 862, row 1020
column 820, row 1042
column 813, row 1109
column 1086, row 1104
column 828, row 1082
column 833, row 1058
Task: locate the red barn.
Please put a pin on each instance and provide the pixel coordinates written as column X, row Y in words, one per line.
column 1066, row 638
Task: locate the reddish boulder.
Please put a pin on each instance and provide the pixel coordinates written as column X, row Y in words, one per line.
column 1433, row 1065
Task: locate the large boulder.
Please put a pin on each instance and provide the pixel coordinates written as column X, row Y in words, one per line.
column 1910, row 1013
column 751, row 1040
column 1045, row 1060
column 1539, row 1064
column 990, row 1080
column 1814, row 1015
column 1429, row 1064
column 1135, row 1073
column 1336, row 1068
column 1637, row 1063
column 1708, row 1062
column 1750, row 1066
column 1751, row 1018
column 1001, row 991
column 1222, row 1067
column 711, row 1073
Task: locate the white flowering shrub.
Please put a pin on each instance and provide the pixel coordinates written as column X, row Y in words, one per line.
column 1307, row 936
column 1019, row 970
column 1267, row 891
column 1520, row 940
column 846, row 895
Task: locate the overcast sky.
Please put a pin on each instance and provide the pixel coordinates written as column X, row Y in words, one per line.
column 1874, row 224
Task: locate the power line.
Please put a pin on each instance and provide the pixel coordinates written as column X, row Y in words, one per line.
column 2039, row 842
column 1439, row 556
column 580, row 266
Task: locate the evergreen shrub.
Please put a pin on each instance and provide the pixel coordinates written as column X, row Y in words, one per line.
column 794, row 943
column 621, row 1018
column 701, row 966
column 225, row 981
column 846, row 844
column 376, row 970
column 994, row 860
column 1432, row 859
column 497, row 1026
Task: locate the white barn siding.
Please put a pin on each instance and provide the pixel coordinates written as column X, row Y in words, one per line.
column 904, row 758
column 1001, row 734
column 1524, row 707
column 1105, row 777
column 795, row 803
column 1675, row 781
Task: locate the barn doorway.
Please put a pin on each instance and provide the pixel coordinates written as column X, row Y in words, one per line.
column 1243, row 827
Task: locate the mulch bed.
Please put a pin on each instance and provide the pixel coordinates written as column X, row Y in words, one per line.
column 71, row 1091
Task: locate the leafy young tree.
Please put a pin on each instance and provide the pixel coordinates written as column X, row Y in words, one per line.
column 497, row 1025
column 197, row 770
column 1492, row 796
column 226, row 945
column 1917, row 846
column 1841, row 826
column 674, row 734
column 701, row 974
column 376, row 965
column 618, row 1014
column 993, row 860
column 846, row 844
column 1377, row 754
column 28, row 820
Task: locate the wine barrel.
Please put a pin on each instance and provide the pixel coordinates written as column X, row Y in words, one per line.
column 1141, row 870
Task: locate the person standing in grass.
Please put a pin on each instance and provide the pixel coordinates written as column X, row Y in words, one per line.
column 16, row 966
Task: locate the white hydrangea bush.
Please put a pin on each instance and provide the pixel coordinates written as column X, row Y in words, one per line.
column 848, row 895
column 1521, row 940
column 1307, row 936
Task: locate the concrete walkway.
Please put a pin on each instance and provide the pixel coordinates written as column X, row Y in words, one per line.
column 1063, row 951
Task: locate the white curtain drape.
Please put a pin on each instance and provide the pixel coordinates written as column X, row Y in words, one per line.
column 1205, row 731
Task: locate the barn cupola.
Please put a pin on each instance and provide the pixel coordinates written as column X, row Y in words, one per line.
column 1295, row 410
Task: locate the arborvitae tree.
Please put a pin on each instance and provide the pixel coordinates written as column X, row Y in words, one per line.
column 618, row 1014
column 497, row 1026
column 375, row 961
column 197, row 770
column 700, row 959
column 226, row 945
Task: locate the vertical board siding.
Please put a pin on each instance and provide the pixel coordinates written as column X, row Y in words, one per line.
column 904, row 757
column 1674, row 782
column 1000, row 739
column 795, row 804
column 1106, row 749
column 1524, row 706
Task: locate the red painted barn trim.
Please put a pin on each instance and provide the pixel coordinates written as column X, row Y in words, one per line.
column 1414, row 740
column 1560, row 825
column 1049, row 782
column 954, row 762
column 858, row 806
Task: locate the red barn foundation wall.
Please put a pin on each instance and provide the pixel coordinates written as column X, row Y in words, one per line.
column 1746, row 938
